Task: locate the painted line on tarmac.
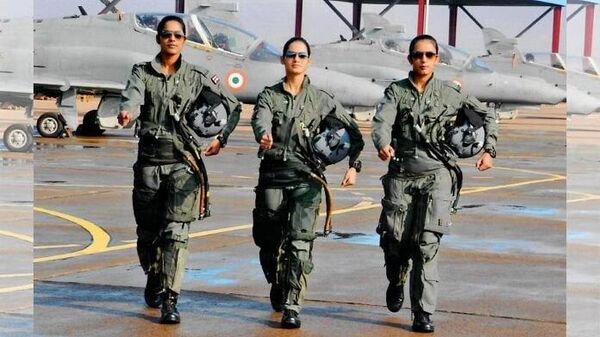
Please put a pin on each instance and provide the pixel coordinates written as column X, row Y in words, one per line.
column 15, row 275
column 94, row 230
column 100, row 237
column 83, row 185
column 192, row 235
column 11, row 204
column 14, row 235
column 17, row 288
column 585, row 197
column 72, row 245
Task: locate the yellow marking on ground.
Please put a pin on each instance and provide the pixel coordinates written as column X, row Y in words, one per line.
column 86, row 186
column 192, row 235
column 529, row 171
column 15, row 275
column 22, row 237
column 585, row 197
column 57, row 246
column 98, row 234
column 17, row 288
column 243, row 177
column 100, row 238
column 525, row 183
column 358, row 207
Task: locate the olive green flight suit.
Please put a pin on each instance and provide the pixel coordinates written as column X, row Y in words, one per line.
column 419, row 190
column 165, row 188
column 287, row 198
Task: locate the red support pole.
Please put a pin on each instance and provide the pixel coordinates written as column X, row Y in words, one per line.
column 589, row 30
column 421, row 17
column 299, row 6
column 356, row 13
column 556, row 29
column 452, row 25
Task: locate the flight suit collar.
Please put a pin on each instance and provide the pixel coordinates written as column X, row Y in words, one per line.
column 305, row 84
column 155, row 63
column 427, row 85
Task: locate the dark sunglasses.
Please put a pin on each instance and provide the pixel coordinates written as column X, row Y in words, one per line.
column 420, row 54
column 165, row 34
column 293, row 54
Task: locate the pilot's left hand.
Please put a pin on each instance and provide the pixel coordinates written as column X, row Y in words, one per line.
column 349, row 178
column 484, row 162
column 213, row 148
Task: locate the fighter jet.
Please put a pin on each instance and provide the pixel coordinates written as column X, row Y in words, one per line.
column 381, row 55
column 94, row 54
column 16, row 76
column 583, row 89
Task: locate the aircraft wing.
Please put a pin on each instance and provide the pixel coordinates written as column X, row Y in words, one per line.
column 85, row 85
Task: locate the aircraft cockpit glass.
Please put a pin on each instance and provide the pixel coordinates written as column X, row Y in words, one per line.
column 452, row 56
column 228, row 37
column 150, row 21
column 265, row 52
column 395, row 44
column 477, row 65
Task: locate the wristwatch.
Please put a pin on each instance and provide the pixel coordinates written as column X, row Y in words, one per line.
column 221, row 140
column 492, row 152
column 357, row 165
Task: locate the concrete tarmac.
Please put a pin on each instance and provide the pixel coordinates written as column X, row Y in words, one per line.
column 503, row 268
column 583, row 234
column 16, row 244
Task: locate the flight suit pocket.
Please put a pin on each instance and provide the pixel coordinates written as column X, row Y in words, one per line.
column 278, row 126
column 439, row 213
column 391, row 221
column 182, row 193
column 303, row 220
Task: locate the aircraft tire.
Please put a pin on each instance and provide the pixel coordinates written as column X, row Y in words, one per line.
column 18, row 138
column 49, row 125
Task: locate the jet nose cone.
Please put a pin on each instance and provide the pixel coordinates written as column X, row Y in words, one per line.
column 514, row 89
column 580, row 102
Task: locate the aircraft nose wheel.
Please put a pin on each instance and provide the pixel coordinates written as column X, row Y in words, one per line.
column 18, row 138
column 49, row 125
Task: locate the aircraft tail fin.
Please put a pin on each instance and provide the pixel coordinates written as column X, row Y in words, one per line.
column 590, row 67
column 376, row 23
column 556, row 61
column 497, row 43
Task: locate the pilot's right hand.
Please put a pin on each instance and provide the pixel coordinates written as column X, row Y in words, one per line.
column 124, row 118
column 387, row 152
column 266, row 141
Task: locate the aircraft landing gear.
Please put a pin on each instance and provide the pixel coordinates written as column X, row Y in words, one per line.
column 50, row 125
column 18, row 138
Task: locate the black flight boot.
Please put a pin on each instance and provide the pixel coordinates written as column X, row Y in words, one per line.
column 168, row 312
column 396, row 275
column 276, row 296
column 422, row 322
column 394, row 296
column 290, row 319
column 154, row 290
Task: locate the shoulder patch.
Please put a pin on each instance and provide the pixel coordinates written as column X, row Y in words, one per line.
column 215, row 79
column 454, row 84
